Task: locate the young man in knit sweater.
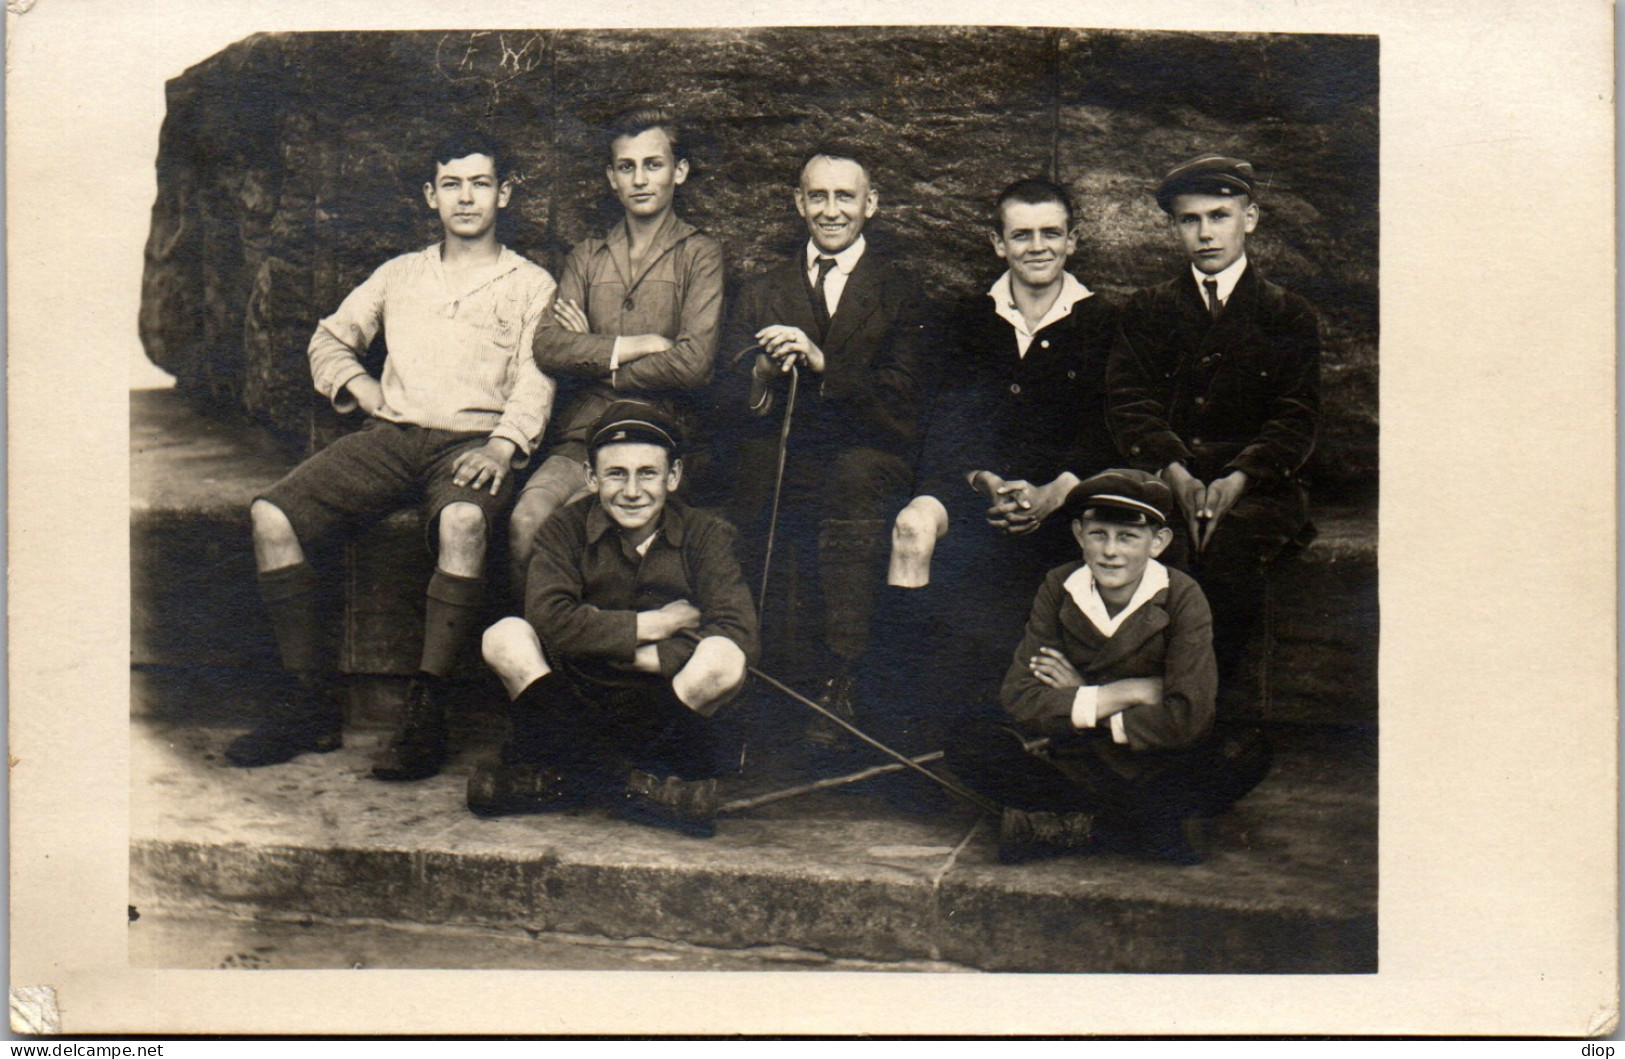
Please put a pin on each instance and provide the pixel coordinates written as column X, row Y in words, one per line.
column 459, row 407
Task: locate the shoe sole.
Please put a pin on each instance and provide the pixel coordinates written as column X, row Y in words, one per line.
column 322, row 746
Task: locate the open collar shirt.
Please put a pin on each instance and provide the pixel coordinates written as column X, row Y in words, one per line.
column 459, row 353
column 1004, row 303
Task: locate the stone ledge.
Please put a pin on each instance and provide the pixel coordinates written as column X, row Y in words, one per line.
column 1291, row 886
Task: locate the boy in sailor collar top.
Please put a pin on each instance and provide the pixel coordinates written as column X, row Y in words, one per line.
column 1112, row 694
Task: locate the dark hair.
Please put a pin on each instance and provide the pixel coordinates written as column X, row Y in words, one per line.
column 1034, row 191
column 464, row 143
column 842, row 151
column 640, row 120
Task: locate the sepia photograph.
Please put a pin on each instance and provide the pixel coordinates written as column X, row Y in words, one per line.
column 390, row 591
column 637, row 510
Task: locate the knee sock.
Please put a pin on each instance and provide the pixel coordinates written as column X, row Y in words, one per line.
column 851, row 562
column 292, row 596
column 450, row 617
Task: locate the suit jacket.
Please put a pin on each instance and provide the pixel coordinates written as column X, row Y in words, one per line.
column 1026, row 417
column 1171, row 637
column 869, row 391
column 1242, row 393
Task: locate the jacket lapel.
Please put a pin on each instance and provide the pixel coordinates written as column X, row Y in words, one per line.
column 858, row 301
column 1140, row 627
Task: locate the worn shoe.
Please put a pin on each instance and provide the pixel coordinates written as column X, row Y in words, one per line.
column 1025, row 835
column 836, row 697
column 496, row 789
column 418, row 748
column 689, row 806
column 306, row 723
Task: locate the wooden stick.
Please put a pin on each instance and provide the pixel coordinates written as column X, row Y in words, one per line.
column 742, row 804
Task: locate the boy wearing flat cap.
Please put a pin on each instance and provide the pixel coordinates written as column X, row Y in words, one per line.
column 638, row 626
column 1214, row 383
column 1111, row 694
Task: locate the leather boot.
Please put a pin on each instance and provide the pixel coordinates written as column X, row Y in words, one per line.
column 304, row 721
column 418, row 748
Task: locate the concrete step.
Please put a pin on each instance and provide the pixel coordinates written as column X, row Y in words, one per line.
column 194, row 600
column 1290, row 887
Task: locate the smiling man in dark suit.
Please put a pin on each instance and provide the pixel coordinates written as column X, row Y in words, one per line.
column 848, row 321
column 1214, row 382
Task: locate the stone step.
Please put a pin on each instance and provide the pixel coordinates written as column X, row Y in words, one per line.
column 194, row 600
column 1290, row 886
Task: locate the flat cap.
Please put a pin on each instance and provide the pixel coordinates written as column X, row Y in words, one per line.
column 1125, row 496
column 1208, row 174
column 634, row 422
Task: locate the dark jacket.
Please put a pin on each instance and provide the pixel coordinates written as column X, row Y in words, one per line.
column 677, row 293
column 869, row 391
column 1239, row 394
column 586, row 586
column 1029, row 417
column 1171, row 637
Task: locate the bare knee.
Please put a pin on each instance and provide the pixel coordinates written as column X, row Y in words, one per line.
column 533, row 509
column 917, row 529
column 271, row 525
column 462, row 528
column 713, row 675
column 507, row 638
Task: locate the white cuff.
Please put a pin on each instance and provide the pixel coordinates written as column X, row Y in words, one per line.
column 1084, row 703
column 615, row 355
column 1119, row 733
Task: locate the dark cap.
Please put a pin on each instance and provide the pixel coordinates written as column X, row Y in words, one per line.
column 1208, row 174
column 1129, row 497
column 634, row 422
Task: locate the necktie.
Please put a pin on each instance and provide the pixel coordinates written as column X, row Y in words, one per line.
column 820, row 301
column 1214, row 305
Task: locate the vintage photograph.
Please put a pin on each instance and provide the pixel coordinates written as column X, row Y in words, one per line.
column 771, row 499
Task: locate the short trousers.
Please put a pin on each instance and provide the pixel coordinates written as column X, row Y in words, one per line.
column 563, row 474
column 364, row 476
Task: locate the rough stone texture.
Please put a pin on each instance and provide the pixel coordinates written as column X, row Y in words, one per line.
column 1290, row 887
column 288, row 167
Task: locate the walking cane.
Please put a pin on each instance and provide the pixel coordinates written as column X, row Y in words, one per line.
column 907, row 762
column 778, row 489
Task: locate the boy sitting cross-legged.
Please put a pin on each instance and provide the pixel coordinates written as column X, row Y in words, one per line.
column 1111, row 693
column 617, row 703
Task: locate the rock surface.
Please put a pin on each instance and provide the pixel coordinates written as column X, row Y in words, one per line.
column 289, row 168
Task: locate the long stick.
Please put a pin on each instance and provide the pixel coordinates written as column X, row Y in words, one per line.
column 778, row 489
column 820, row 785
column 946, row 784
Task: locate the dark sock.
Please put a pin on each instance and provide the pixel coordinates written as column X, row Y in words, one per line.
column 449, row 618
column 292, row 596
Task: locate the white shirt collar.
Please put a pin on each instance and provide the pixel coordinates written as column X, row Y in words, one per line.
column 1004, row 303
column 845, row 261
column 1081, row 587
column 1227, row 279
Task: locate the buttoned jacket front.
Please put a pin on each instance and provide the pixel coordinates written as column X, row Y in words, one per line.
column 677, row 294
column 868, row 393
column 1240, row 393
column 1021, row 417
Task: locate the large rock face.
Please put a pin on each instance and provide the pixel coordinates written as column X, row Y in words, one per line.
column 291, row 165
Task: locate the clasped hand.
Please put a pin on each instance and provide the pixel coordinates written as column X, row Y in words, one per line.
column 784, row 346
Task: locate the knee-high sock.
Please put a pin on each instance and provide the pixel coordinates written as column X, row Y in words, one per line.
column 851, row 556
column 293, row 601
column 450, row 617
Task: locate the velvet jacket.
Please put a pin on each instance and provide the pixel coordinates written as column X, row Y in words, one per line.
column 1242, row 393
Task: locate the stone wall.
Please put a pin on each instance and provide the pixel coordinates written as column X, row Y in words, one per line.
column 290, row 166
